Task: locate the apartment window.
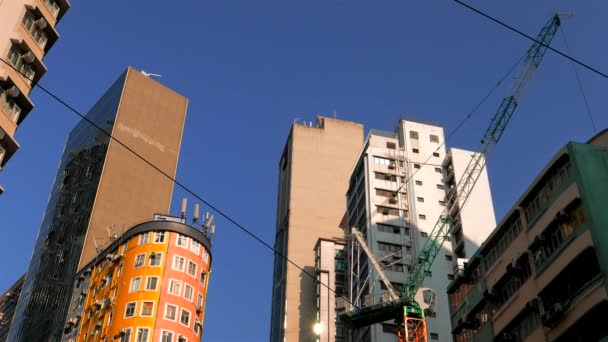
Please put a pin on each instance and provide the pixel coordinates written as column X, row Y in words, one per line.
column 438, row 169
column 195, row 247
column 423, row 234
column 390, row 247
column 448, row 257
column 140, row 260
column 135, row 284
column 179, row 263
column 434, row 336
column 413, row 135
column 440, row 186
column 415, row 150
column 203, row 277
column 435, row 154
column 144, row 238
column 151, row 283
column 391, row 145
column 171, row 312
column 185, row 317
column 175, row 287
column 130, row 309
column 188, row 292
column 199, row 301
column 382, row 161
column 126, row 336
column 147, row 308
column 416, row 166
column 110, row 316
column 422, row 217
column 192, row 268
column 434, row 138
column 142, row 334
column 155, row 259
column 166, row 336
column 159, row 237
column 418, row 182
column 420, row 199
column 119, row 272
column 14, row 56
column 205, row 256
column 182, row 241
column 388, row 228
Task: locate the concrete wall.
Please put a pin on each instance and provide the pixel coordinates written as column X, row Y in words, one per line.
column 321, row 162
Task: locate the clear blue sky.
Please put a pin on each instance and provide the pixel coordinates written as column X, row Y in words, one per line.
column 250, row 67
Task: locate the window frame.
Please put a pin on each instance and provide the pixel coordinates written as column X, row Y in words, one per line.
column 174, row 282
column 143, row 263
column 127, row 309
column 179, row 238
column 142, row 307
column 181, row 315
column 131, row 290
column 167, row 305
column 175, row 257
column 148, row 282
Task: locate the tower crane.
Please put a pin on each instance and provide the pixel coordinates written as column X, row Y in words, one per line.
column 406, row 311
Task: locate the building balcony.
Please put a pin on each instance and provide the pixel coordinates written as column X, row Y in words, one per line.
column 37, row 32
column 27, row 66
column 53, row 10
column 14, row 106
column 8, row 147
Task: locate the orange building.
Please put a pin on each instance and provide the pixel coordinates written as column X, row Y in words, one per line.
column 149, row 284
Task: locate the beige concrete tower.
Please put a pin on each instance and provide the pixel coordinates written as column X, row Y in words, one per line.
column 100, row 189
column 27, row 32
column 313, row 178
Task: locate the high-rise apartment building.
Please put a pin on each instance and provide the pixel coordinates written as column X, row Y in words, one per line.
column 398, row 190
column 99, row 183
column 27, row 33
column 149, row 284
column 313, row 178
column 542, row 275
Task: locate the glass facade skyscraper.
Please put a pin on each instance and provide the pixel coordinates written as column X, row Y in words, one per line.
column 48, row 284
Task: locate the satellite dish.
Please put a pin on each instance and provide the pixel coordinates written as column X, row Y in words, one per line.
column 426, row 298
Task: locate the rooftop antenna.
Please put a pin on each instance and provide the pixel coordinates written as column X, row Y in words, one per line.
column 147, row 74
column 196, row 212
column 208, row 226
column 184, row 204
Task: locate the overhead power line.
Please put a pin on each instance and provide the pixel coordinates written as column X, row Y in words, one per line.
column 175, row 181
column 213, row 207
column 521, row 33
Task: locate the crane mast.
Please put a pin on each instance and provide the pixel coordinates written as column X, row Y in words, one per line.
column 405, row 310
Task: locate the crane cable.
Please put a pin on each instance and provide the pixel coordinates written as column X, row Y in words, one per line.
column 579, row 82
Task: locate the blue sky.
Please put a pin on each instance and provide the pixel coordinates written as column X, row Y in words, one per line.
column 250, row 67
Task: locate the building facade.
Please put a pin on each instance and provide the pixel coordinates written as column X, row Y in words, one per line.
column 331, row 270
column 149, row 284
column 313, row 178
column 542, row 275
column 397, row 191
column 27, row 33
column 99, row 184
column 8, row 303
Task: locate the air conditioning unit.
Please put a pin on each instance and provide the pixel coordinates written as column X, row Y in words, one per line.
column 392, row 200
column 41, row 23
column 97, row 303
column 553, row 314
column 392, row 165
column 28, row 57
column 385, row 211
column 199, row 308
column 13, row 91
column 507, row 337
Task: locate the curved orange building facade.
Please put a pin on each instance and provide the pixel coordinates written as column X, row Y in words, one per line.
column 150, row 284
